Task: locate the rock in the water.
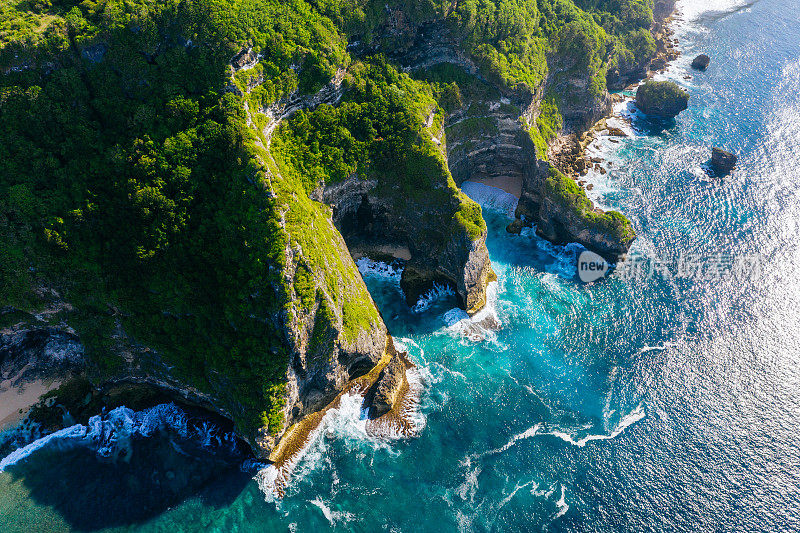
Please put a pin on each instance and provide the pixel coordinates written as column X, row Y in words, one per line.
column 616, row 132
column 722, row 162
column 663, row 99
column 515, row 226
column 701, row 62
column 384, row 393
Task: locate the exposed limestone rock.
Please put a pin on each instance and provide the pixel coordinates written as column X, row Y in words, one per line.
column 382, row 395
column 559, row 222
column 515, row 226
column 367, row 217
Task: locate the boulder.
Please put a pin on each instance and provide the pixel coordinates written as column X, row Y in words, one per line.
column 664, row 99
column 384, row 393
column 516, row 226
column 701, row 62
column 722, row 162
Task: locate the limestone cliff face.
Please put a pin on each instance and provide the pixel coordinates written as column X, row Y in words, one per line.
column 372, row 219
column 324, row 357
column 324, row 354
column 485, row 139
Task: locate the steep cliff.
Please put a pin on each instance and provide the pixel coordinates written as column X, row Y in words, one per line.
column 138, row 200
column 182, row 183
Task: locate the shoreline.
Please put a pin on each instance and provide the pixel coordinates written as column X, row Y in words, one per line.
column 17, row 399
column 509, row 184
column 568, row 153
column 293, row 445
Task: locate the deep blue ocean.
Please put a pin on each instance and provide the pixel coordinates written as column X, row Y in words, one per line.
column 663, row 398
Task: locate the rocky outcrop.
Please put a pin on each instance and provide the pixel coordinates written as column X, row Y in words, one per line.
column 382, row 396
column 371, row 218
column 663, row 8
column 28, row 353
column 562, row 214
column 663, row 99
column 722, row 162
column 701, row 62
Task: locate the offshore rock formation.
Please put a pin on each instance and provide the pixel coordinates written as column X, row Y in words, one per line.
column 701, row 62
column 722, row 162
column 664, row 99
column 385, row 393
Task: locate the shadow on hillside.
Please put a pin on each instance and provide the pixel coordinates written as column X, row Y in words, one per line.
column 92, row 493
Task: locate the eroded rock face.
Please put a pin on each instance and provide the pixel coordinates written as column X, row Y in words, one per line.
column 663, row 8
column 31, row 352
column 562, row 224
column 383, row 394
column 369, row 218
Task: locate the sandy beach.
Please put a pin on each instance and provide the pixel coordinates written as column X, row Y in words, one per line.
column 17, row 399
column 510, row 184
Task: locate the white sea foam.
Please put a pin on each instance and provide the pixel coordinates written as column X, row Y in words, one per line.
column 347, row 419
column 77, row 431
column 660, row 347
column 332, row 516
column 110, row 434
column 626, row 421
column 561, row 504
column 540, row 429
column 436, row 293
column 490, row 197
column 347, row 422
column 379, row 269
column 479, row 327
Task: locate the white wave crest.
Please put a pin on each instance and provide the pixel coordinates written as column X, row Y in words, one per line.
column 479, row 327
column 348, row 422
column 626, row 421
column 660, row 347
column 539, row 429
column 332, row 516
column 491, row 197
column 438, row 292
column 379, row 269
column 110, row 434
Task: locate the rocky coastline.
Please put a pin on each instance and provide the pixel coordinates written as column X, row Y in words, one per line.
column 568, row 151
column 324, row 327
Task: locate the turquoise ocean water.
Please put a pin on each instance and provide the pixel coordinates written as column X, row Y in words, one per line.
column 666, row 397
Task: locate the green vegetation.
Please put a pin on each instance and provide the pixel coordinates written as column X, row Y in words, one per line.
column 135, row 178
column 548, row 124
column 661, row 98
column 565, row 192
column 379, row 131
column 131, row 184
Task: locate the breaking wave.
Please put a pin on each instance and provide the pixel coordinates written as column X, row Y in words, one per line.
column 379, row 269
column 110, row 434
column 436, row 293
column 346, row 420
